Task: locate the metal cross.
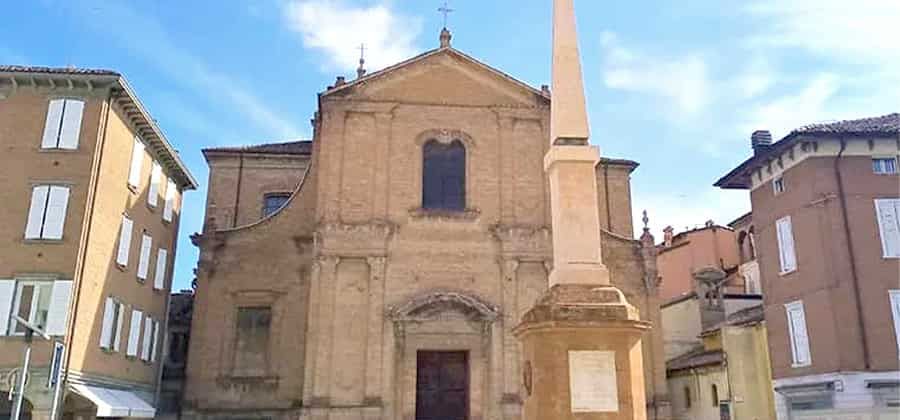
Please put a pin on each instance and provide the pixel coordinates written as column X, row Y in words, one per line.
column 446, row 10
column 362, row 52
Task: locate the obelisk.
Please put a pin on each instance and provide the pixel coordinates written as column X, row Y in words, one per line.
column 581, row 341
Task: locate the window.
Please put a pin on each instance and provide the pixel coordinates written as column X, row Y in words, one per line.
column 750, row 272
column 159, row 277
column 884, row 165
column 137, row 162
column 714, row 391
column 687, row 397
column 796, row 318
column 786, row 252
column 111, row 329
column 134, row 332
column 155, row 180
column 144, row 259
column 63, row 124
column 444, row 176
column 252, row 344
column 171, row 191
column 32, row 303
column 273, row 202
column 887, row 210
column 155, row 341
column 148, row 342
column 778, row 185
column 47, row 213
column 895, row 311
column 124, row 241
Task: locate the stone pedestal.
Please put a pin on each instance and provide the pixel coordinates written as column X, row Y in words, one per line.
column 583, row 340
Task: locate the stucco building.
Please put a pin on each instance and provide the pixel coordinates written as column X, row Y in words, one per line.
column 91, row 197
column 826, row 205
column 378, row 270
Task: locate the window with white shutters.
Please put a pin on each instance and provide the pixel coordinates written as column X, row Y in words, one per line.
column 155, row 181
column 171, row 191
column 895, row 312
column 147, row 344
column 887, row 210
column 124, row 241
column 786, row 252
column 144, row 260
column 155, row 341
column 137, row 162
column 797, row 332
column 159, row 278
column 47, row 213
column 134, row 332
column 111, row 328
column 63, row 125
column 58, row 313
column 7, row 293
column 884, row 165
column 32, row 303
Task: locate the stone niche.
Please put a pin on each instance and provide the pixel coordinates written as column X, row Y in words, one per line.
column 446, row 321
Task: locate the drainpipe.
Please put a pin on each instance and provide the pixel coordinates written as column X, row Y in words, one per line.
column 59, row 397
column 237, row 193
column 850, row 252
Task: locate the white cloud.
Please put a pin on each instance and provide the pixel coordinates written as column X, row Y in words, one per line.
column 791, row 111
column 337, row 30
column 756, row 78
column 680, row 80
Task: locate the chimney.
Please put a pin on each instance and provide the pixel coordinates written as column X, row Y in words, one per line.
column 760, row 140
column 545, row 90
column 668, row 235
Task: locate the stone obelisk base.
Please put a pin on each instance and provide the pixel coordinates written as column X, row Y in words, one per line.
column 582, row 355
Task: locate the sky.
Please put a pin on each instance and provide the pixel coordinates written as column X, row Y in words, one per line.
column 677, row 85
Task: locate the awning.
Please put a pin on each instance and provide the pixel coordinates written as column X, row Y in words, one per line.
column 115, row 402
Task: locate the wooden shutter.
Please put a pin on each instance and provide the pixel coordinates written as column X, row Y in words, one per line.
column 144, row 260
column 106, row 330
column 155, row 341
column 888, row 213
column 36, row 211
column 155, row 180
column 55, row 214
column 798, row 334
column 120, row 319
column 58, row 313
column 786, row 251
column 137, row 161
column 52, row 124
column 71, row 124
column 895, row 311
column 159, row 278
column 124, row 241
column 134, row 333
column 171, row 189
column 7, row 292
column 148, row 335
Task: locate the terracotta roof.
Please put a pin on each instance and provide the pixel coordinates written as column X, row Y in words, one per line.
column 57, row 70
column 883, row 126
column 300, row 147
column 696, row 358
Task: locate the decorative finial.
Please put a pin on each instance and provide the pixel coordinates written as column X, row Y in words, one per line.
column 445, row 38
column 445, row 10
column 361, row 71
column 646, row 221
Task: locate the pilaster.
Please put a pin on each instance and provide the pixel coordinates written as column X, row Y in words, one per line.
column 374, row 343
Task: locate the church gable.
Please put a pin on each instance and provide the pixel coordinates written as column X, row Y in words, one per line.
column 442, row 77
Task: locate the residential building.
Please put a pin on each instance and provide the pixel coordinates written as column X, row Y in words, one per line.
column 92, row 197
column 826, row 205
column 378, row 270
column 681, row 256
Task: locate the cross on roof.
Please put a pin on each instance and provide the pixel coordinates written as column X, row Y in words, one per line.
column 445, row 10
column 362, row 52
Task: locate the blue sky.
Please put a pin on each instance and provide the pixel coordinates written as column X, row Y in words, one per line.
column 677, row 86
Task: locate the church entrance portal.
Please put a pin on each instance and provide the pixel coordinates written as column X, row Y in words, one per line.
column 442, row 385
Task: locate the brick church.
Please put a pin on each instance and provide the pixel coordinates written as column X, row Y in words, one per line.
column 377, row 271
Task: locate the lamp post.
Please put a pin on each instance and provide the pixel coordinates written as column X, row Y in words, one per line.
column 30, row 329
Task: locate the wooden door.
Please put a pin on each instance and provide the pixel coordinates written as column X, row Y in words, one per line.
column 442, row 385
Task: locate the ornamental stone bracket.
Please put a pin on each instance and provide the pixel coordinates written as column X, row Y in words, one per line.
column 354, row 240
column 524, row 242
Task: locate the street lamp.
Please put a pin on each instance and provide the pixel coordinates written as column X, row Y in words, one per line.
column 30, row 330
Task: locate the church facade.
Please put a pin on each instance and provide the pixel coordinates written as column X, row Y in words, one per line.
column 377, row 271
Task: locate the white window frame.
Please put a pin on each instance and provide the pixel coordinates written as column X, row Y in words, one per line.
column 787, row 255
column 169, row 206
column 126, row 230
column 136, row 164
column 155, row 341
column 794, row 337
column 112, row 343
column 36, row 297
column 894, row 296
column 135, row 325
column 881, row 169
column 155, row 184
column 778, row 185
column 61, row 133
column 144, row 257
column 45, row 203
column 162, row 265
column 880, row 217
column 147, row 343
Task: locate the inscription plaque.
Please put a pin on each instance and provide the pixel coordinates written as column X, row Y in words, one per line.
column 592, row 381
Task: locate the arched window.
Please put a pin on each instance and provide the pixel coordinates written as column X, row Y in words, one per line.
column 274, row 201
column 444, row 176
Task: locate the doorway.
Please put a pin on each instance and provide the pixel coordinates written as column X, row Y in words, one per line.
column 442, row 385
